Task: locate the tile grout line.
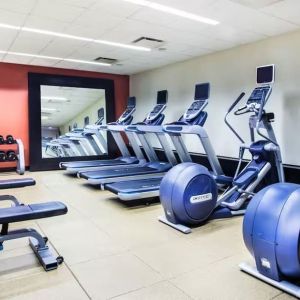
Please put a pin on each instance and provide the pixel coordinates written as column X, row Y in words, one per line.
column 184, row 292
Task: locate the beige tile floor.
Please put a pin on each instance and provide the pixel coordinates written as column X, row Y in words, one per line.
column 114, row 251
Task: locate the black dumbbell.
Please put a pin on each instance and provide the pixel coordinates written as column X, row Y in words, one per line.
column 10, row 139
column 2, row 156
column 11, row 155
column 2, row 141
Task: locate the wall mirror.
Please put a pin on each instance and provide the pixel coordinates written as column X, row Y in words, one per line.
column 65, row 117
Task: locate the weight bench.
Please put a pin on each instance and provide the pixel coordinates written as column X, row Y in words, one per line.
column 19, row 212
column 16, row 183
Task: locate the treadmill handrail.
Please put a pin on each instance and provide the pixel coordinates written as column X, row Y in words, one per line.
column 117, row 128
column 186, row 129
column 150, row 128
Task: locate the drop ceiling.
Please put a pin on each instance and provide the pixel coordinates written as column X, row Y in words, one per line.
column 241, row 22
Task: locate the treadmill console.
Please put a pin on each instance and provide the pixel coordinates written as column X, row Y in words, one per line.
column 200, row 101
column 265, row 77
column 162, row 98
column 129, row 110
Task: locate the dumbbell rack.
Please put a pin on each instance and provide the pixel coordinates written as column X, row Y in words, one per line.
column 20, row 168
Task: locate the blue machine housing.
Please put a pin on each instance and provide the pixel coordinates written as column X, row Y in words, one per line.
column 188, row 193
column 271, row 231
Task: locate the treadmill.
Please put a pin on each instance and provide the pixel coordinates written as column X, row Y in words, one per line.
column 115, row 129
column 152, row 168
column 89, row 138
column 81, row 142
column 194, row 116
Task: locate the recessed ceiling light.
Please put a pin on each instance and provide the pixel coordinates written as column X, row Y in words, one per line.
column 174, row 11
column 74, row 37
column 55, row 58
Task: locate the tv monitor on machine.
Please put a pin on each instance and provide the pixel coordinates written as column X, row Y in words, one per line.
column 202, row 91
column 265, row 74
column 162, row 97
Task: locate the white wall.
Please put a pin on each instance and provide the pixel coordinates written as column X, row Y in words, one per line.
column 91, row 112
column 230, row 72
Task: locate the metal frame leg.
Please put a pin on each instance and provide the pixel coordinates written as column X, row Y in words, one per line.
column 38, row 244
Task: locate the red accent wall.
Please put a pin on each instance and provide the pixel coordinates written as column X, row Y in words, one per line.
column 14, row 98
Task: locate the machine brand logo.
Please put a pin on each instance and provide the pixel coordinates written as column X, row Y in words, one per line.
column 201, row 198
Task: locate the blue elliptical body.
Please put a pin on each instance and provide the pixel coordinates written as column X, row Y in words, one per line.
column 189, row 191
column 271, row 233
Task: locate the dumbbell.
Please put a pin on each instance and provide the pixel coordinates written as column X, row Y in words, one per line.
column 2, row 141
column 2, row 156
column 10, row 139
column 11, row 155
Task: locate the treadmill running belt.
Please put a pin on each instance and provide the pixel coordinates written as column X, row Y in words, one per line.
column 134, row 186
column 103, row 174
column 96, row 163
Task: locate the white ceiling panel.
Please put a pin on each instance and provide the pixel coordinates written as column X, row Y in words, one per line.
column 36, row 44
column 57, row 10
column 241, row 22
column 43, row 62
column 45, row 23
column 61, row 47
column 153, row 17
column 66, row 64
column 228, row 12
column 12, row 18
column 257, row 3
column 93, row 32
column 80, row 3
column 7, row 38
column 91, row 51
column 19, row 6
column 98, row 18
column 115, row 8
column 16, row 59
column 287, row 10
column 193, row 6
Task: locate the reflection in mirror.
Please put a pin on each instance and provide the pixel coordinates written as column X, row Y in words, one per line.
column 71, row 121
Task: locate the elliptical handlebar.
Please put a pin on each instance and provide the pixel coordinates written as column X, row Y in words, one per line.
column 239, row 98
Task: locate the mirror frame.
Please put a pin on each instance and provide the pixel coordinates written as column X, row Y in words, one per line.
column 35, row 80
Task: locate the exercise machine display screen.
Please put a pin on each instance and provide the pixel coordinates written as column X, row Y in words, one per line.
column 265, row 74
column 162, row 97
column 131, row 102
column 202, row 91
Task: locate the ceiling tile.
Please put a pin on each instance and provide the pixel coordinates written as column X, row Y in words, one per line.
column 115, row 8
column 288, row 10
column 30, row 43
column 57, row 10
column 12, row 18
column 61, row 47
column 7, row 38
column 16, row 59
column 93, row 18
column 80, row 3
column 19, row 6
column 45, row 23
column 43, row 62
column 247, row 18
column 91, row 51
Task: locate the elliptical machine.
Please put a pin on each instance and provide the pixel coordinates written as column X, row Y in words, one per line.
column 191, row 194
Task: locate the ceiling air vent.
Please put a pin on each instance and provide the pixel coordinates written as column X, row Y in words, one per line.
column 106, row 60
column 148, row 42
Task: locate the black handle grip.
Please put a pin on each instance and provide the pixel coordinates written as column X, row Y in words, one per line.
column 236, row 102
